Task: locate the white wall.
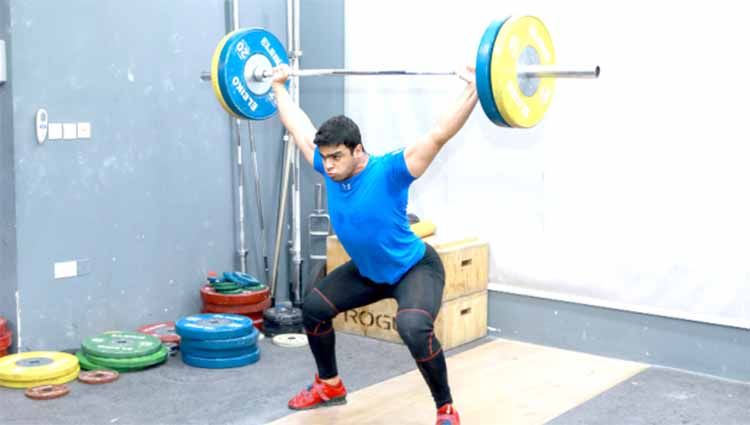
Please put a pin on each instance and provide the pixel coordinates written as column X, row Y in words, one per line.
column 633, row 191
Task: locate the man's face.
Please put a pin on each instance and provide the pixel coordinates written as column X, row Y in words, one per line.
column 339, row 162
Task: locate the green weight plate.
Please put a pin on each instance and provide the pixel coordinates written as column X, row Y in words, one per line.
column 230, row 291
column 225, row 286
column 87, row 364
column 257, row 288
column 121, row 344
column 132, row 362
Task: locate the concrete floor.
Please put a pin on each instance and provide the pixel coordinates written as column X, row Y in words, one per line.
column 257, row 394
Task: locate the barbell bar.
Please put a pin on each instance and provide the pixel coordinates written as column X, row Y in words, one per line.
column 515, row 72
column 529, row 71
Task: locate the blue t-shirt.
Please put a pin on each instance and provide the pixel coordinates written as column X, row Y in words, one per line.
column 368, row 213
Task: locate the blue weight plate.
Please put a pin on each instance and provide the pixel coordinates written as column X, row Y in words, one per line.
column 214, row 326
column 249, row 48
column 220, row 344
column 224, row 83
column 483, row 79
column 220, row 354
column 238, row 361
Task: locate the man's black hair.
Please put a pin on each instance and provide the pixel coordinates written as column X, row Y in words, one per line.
column 339, row 130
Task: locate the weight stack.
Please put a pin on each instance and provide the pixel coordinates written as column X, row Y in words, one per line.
column 284, row 318
column 218, row 341
column 122, row 351
column 237, row 293
column 6, row 337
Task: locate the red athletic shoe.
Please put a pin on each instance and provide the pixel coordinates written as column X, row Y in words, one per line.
column 319, row 394
column 447, row 415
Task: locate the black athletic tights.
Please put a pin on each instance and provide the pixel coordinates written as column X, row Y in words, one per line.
column 419, row 294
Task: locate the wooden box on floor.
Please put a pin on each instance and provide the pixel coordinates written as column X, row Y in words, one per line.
column 460, row 320
column 463, row 315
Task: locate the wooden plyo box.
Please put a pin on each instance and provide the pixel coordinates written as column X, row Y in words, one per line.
column 460, row 320
column 463, row 315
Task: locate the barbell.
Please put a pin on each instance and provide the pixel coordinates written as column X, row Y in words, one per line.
column 515, row 72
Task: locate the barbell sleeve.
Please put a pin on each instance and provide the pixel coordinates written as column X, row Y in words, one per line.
column 557, row 71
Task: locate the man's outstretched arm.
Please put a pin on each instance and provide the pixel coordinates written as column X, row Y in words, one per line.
column 419, row 156
column 292, row 116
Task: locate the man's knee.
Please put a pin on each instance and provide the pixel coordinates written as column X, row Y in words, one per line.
column 317, row 308
column 416, row 330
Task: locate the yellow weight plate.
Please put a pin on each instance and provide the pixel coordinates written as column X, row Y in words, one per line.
column 517, row 37
column 215, row 72
column 72, row 376
column 36, row 366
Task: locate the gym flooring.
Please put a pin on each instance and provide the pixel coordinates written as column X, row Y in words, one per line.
column 494, row 381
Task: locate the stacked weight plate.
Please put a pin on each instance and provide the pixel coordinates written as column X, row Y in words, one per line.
column 38, row 368
column 165, row 332
column 6, row 337
column 218, row 341
column 237, row 293
column 282, row 319
column 121, row 351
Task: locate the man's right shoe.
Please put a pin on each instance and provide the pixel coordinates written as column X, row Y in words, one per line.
column 318, row 394
column 447, row 415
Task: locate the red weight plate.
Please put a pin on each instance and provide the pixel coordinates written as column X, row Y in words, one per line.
column 3, row 353
column 255, row 316
column 210, row 296
column 5, row 340
column 164, row 331
column 46, row 392
column 98, row 376
column 258, row 323
column 237, row 309
column 3, row 325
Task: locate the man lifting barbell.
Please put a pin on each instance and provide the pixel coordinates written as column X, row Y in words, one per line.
column 368, row 194
column 367, row 200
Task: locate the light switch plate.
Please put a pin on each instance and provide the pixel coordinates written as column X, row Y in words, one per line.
column 70, row 130
column 55, row 131
column 66, row 269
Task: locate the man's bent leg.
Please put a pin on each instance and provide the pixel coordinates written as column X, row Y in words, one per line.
column 343, row 289
column 419, row 296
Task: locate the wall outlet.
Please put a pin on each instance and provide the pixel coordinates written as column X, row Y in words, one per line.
column 3, row 63
column 84, row 130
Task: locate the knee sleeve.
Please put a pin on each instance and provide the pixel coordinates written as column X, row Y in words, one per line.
column 317, row 312
column 416, row 330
